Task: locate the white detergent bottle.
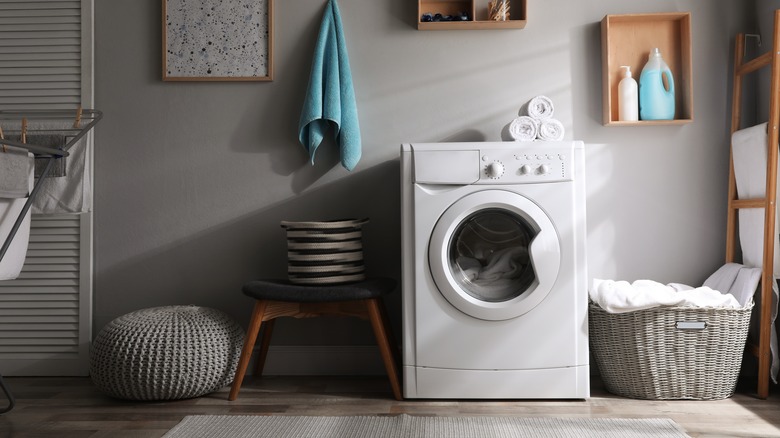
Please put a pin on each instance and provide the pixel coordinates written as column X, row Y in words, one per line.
column 628, row 98
column 656, row 99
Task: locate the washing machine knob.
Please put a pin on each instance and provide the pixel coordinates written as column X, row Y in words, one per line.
column 544, row 169
column 494, row 170
column 525, row 169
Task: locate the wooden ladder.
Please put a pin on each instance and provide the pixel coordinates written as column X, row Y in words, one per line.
column 741, row 69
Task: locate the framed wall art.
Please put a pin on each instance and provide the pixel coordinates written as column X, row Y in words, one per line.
column 217, row 40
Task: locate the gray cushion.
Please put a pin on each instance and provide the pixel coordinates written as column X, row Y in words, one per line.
column 166, row 353
column 283, row 290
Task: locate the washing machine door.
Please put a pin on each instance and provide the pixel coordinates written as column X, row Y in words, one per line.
column 494, row 255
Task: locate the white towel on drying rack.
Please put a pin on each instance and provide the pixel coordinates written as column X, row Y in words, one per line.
column 14, row 172
column 68, row 194
column 10, row 207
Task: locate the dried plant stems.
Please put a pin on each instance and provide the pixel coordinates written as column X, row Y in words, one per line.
column 498, row 10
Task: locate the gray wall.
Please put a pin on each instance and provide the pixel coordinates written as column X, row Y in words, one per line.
column 192, row 179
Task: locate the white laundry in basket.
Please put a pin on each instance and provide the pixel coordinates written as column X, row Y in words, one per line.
column 622, row 296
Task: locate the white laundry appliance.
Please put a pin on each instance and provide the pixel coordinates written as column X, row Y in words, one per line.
column 494, row 270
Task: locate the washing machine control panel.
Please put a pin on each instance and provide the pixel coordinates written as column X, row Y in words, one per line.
column 526, row 165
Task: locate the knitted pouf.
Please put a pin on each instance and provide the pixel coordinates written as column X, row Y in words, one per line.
column 166, row 353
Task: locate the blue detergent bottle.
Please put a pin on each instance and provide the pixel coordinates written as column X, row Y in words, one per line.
column 656, row 101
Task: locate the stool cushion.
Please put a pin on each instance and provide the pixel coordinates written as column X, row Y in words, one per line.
column 283, row 290
column 166, row 353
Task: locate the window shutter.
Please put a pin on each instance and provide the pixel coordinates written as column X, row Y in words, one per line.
column 41, row 312
column 40, row 54
column 45, row 314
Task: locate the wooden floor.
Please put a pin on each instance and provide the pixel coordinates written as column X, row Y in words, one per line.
column 72, row 407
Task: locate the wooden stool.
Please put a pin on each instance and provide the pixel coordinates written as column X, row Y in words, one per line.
column 277, row 298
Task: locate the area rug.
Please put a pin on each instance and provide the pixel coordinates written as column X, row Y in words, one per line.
column 409, row 426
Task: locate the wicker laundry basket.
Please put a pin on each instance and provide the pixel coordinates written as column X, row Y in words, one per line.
column 329, row 252
column 669, row 353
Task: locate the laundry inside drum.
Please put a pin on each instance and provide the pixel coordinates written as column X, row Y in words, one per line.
column 488, row 255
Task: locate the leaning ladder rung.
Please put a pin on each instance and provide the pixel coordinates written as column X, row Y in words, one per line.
column 748, row 203
column 755, row 64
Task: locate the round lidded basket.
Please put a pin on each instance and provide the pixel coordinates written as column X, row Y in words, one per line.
column 327, row 252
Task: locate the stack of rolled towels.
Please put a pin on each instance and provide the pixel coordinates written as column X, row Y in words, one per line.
column 538, row 124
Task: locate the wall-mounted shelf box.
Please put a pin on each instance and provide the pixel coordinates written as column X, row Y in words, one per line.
column 477, row 11
column 627, row 40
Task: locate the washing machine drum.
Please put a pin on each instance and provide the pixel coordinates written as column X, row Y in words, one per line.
column 494, row 255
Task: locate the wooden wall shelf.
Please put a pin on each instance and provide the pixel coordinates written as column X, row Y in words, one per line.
column 477, row 10
column 627, row 40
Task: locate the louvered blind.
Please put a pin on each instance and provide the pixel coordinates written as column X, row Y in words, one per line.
column 40, row 310
column 40, row 54
column 45, row 314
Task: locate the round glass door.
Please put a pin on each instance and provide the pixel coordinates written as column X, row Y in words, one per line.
column 494, row 255
column 489, row 256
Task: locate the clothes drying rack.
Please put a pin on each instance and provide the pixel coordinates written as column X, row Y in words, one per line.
column 83, row 120
column 762, row 350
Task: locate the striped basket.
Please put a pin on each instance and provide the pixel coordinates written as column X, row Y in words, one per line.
column 329, row 252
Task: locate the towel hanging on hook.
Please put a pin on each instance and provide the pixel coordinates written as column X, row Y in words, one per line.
column 330, row 97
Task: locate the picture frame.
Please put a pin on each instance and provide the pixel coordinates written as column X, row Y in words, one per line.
column 217, row 40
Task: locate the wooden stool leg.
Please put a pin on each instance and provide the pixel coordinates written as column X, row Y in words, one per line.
column 249, row 345
column 265, row 341
column 389, row 331
column 381, row 329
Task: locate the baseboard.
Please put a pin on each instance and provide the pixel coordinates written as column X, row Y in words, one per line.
column 329, row 360
column 332, row 360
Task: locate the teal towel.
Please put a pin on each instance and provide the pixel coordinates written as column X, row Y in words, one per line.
column 330, row 98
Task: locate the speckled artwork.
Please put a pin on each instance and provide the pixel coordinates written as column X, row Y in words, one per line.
column 217, row 39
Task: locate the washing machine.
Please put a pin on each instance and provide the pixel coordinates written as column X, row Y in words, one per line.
column 494, row 270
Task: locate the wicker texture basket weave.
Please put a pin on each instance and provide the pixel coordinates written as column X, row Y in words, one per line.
column 166, row 353
column 643, row 355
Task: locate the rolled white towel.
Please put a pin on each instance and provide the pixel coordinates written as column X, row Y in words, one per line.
column 541, row 107
column 550, row 129
column 523, row 128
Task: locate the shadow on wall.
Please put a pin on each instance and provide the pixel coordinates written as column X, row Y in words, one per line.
column 586, row 81
column 209, row 268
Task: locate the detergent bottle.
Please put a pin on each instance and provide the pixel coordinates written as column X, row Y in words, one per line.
column 628, row 101
column 656, row 98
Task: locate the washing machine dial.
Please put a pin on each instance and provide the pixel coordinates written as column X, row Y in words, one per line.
column 525, row 169
column 544, row 169
column 494, row 170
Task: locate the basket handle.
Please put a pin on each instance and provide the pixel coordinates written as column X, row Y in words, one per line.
column 690, row 325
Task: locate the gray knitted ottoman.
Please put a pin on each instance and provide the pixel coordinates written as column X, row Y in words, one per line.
column 166, row 353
